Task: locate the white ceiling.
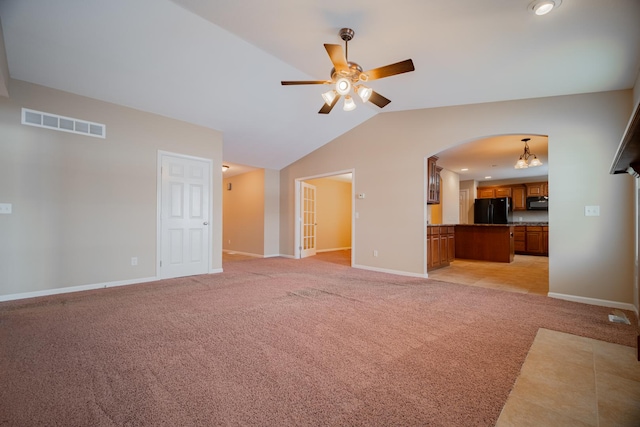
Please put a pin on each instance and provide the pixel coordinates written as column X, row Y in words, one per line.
column 219, row 63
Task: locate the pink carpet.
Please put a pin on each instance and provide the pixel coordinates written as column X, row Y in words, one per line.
column 277, row 342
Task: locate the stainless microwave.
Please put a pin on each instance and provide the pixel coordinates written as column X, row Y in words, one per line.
column 537, row 203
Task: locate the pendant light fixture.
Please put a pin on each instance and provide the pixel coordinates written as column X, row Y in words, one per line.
column 523, row 162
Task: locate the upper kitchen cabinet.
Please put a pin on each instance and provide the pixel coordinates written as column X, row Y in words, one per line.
column 519, row 197
column 433, row 181
column 493, row 192
column 538, row 189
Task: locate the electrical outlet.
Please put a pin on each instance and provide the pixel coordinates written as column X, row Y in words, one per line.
column 134, row 260
column 5, row 208
column 375, row 252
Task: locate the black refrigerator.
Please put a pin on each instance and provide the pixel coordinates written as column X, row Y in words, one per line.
column 491, row 211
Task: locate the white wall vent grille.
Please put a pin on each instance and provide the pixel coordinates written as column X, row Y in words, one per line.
column 65, row 124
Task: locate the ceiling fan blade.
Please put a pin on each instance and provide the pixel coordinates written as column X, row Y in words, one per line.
column 378, row 99
column 338, row 58
column 326, row 109
column 306, row 82
column 390, row 70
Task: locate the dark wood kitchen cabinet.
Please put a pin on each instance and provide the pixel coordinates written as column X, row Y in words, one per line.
column 538, row 189
column 532, row 240
column 492, row 192
column 440, row 246
column 535, row 244
column 519, row 197
column 519, row 237
column 433, row 181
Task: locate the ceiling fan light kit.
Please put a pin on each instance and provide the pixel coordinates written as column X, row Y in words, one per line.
column 542, row 7
column 346, row 75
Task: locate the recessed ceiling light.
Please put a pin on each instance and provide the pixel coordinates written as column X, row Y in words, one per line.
column 542, row 7
column 464, row 169
column 487, row 177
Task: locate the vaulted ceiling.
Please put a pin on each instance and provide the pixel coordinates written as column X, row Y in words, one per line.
column 219, row 63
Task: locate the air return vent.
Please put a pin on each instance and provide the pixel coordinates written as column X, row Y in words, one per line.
column 65, row 124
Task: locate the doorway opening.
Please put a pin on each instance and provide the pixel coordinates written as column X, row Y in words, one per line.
column 324, row 212
column 484, row 168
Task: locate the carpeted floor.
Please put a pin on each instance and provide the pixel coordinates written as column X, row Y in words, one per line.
column 277, row 342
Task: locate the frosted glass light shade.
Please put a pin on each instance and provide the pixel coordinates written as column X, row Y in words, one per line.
column 329, row 96
column 364, row 93
column 535, row 162
column 521, row 164
column 349, row 104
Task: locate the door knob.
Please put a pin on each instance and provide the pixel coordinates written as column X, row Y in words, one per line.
column 205, row 223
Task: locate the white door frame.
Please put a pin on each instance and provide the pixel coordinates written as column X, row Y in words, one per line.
column 304, row 211
column 296, row 223
column 162, row 153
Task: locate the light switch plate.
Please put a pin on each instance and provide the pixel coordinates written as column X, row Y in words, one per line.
column 592, row 211
column 5, row 208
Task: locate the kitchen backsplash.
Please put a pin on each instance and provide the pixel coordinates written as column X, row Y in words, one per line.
column 529, row 216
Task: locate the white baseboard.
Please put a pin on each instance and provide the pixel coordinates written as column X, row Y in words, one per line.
column 594, row 301
column 396, row 272
column 287, row 256
column 215, row 270
column 231, row 252
column 91, row 287
column 333, row 250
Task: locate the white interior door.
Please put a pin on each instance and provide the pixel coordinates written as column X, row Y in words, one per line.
column 184, row 216
column 307, row 220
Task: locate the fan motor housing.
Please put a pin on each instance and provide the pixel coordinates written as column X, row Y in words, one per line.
column 354, row 73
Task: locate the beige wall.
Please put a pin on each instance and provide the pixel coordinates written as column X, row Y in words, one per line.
column 590, row 257
column 82, row 206
column 450, row 197
column 333, row 213
column 271, row 213
column 251, row 213
column 244, row 213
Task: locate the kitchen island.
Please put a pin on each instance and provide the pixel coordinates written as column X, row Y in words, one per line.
column 485, row 242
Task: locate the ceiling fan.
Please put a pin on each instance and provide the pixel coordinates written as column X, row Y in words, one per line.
column 348, row 75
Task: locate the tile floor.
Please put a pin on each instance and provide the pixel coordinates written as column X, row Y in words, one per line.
column 526, row 274
column 568, row 380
